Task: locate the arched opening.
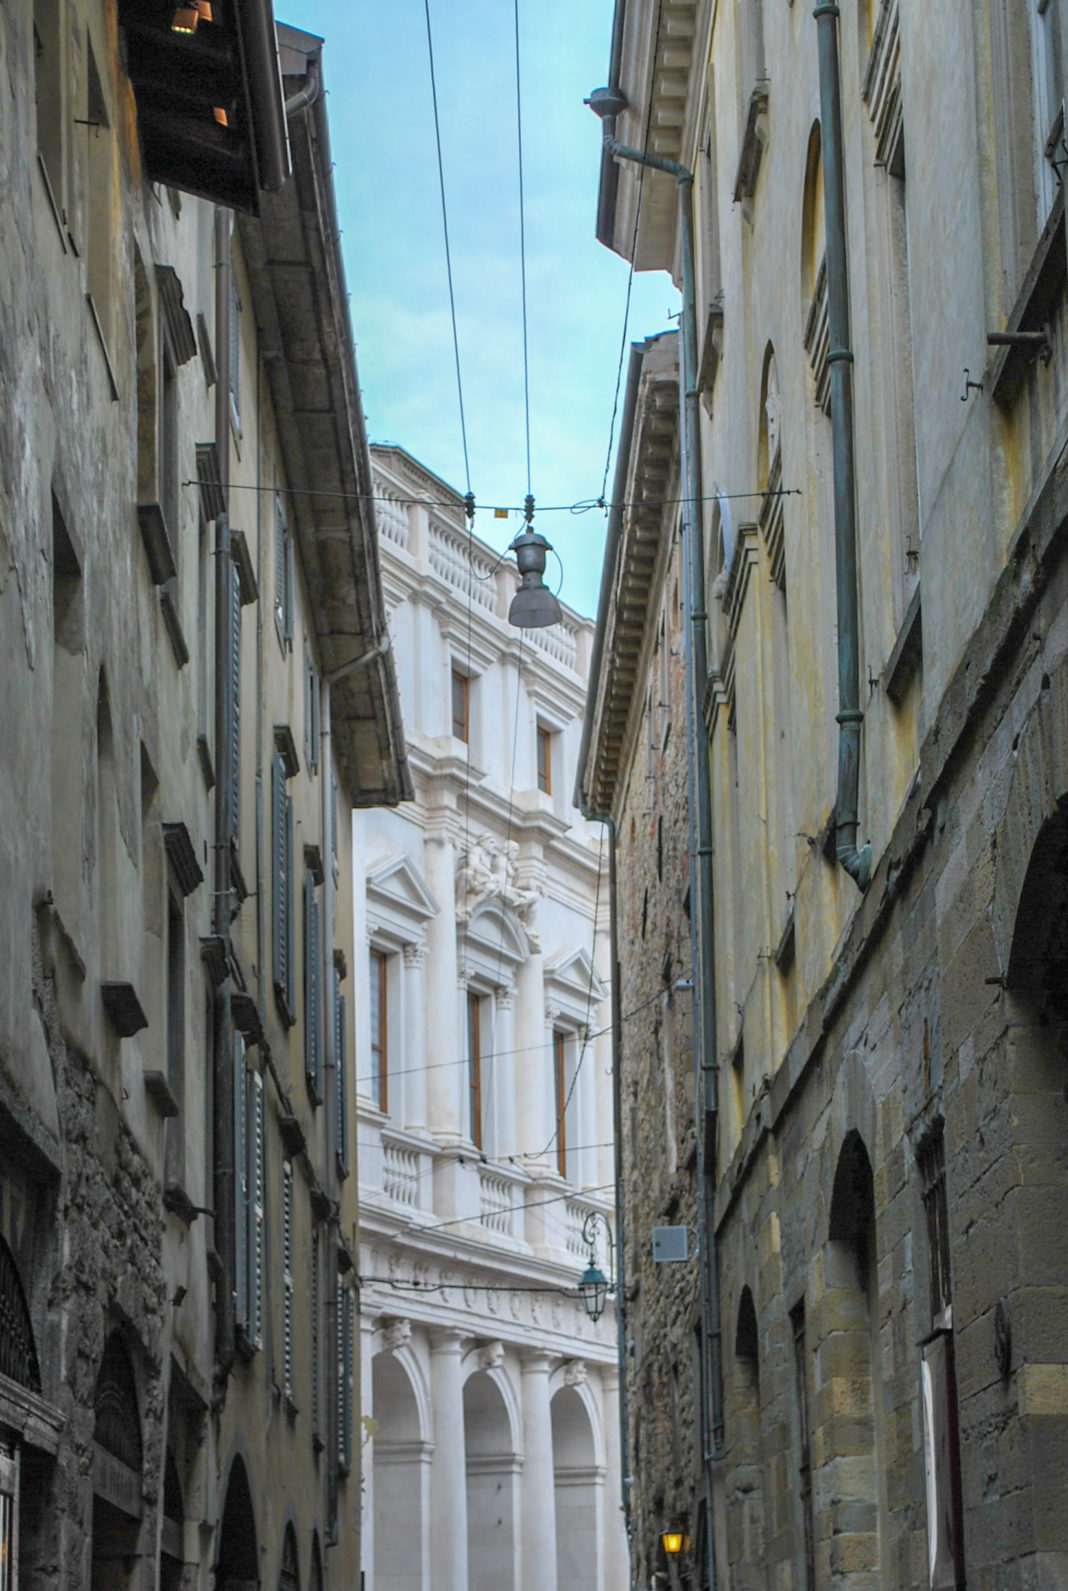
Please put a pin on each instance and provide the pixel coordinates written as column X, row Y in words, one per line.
column 813, row 225
column 578, row 1486
column 19, row 1368
column 117, row 1464
column 745, row 1493
column 848, row 1357
column 492, row 1474
column 770, row 420
column 289, row 1569
column 172, row 1542
column 400, row 1482
column 238, row 1565
column 315, row 1579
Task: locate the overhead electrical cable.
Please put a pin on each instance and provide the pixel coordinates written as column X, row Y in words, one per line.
column 630, row 273
column 583, row 506
column 448, row 253
column 522, row 241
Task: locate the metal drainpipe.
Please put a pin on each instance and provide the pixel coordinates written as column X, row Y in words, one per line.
column 617, row 1151
column 223, row 1145
column 701, row 851
column 840, row 360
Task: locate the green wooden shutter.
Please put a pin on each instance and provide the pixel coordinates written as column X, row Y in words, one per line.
column 315, row 1341
column 290, row 1000
column 235, row 348
column 287, row 1279
column 341, row 1075
column 313, row 1044
column 235, row 702
column 346, row 1333
column 257, row 1208
column 240, row 1181
column 279, row 890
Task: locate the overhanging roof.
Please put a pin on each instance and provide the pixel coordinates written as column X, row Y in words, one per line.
column 301, row 308
column 643, row 475
column 209, row 98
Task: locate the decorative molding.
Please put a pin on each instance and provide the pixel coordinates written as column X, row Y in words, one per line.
column 183, row 343
column 157, row 543
column 491, row 1356
column 212, row 495
column 396, row 1333
column 182, row 857
column 576, row 1373
column 881, row 90
column 124, row 1009
column 754, row 139
column 161, row 1094
column 817, row 338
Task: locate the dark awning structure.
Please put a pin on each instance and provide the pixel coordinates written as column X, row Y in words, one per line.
column 208, row 87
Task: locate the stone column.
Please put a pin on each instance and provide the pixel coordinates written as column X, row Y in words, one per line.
column 448, row 1470
column 615, row 1556
column 414, row 1059
column 367, row 1457
column 538, row 1489
column 445, row 1044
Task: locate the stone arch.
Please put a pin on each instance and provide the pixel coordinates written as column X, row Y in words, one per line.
column 237, row 1567
column 315, row 1577
column 479, row 1361
column 813, row 234
column 769, row 420
column 490, row 1441
column 570, row 1375
column 289, row 1565
column 847, row 1357
column 400, row 1471
column 745, row 1476
column 578, row 1486
column 118, row 1457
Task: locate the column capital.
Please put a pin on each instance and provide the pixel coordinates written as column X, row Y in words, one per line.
column 415, row 954
column 536, row 1361
column 446, row 1339
column 505, row 997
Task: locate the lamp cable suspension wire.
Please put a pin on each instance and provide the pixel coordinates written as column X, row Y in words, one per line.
column 522, row 242
column 448, row 252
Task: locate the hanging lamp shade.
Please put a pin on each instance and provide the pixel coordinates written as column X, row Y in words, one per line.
column 593, row 1289
column 533, row 605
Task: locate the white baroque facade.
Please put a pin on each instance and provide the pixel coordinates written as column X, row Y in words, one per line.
column 491, row 1452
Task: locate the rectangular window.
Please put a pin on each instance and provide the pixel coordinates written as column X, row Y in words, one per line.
column 250, row 1123
column 48, row 87
column 545, row 761
column 461, row 701
column 175, row 1025
column 945, row 1508
column 235, row 351
column 99, row 178
column 316, row 1342
column 341, row 1073
column 561, row 1086
column 313, row 1007
column 283, row 574
column 287, row 1279
column 379, row 1031
column 282, row 889
column 311, row 713
column 1048, row 74
column 168, row 444
column 804, row 1447
column 474, row 1067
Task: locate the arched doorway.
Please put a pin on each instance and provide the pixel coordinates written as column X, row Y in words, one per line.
column 117, row 1463
column 172, row 1542
column 745, row 1483
column 289, row 1570
column 19, row 1372
column 401, row 1478
column 578, row 1486
column 492, row 1474
column 853, row 1473
column 238, row 1565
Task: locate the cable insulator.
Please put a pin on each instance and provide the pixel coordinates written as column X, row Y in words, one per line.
column 469, row 505
column 528, row 508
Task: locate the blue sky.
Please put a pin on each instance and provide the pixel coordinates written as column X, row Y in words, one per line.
column 382, row 132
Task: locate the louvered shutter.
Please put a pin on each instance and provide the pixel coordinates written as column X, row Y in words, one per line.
column 241, row 1190
column 287, row 1279
column 257, row 1209
column 313, row 703
column 346, row 1335
column 289, row 998
column 313, row 1058
column 279, row 886
column 333, row 821
column 341, row 1074
column 235, row 702
column 280, row 575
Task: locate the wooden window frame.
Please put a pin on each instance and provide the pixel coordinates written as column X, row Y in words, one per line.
column 545, row 759
column 560, row 1082
column 474, row 1066
column 461, row 682
column 379, row 966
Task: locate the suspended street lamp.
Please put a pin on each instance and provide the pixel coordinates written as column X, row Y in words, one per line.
column 533, row 605
column 595, row 1287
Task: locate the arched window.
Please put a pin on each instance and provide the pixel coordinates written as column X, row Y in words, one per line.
column 118, row 1454
column 289, row 1573
column 745, row 1485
